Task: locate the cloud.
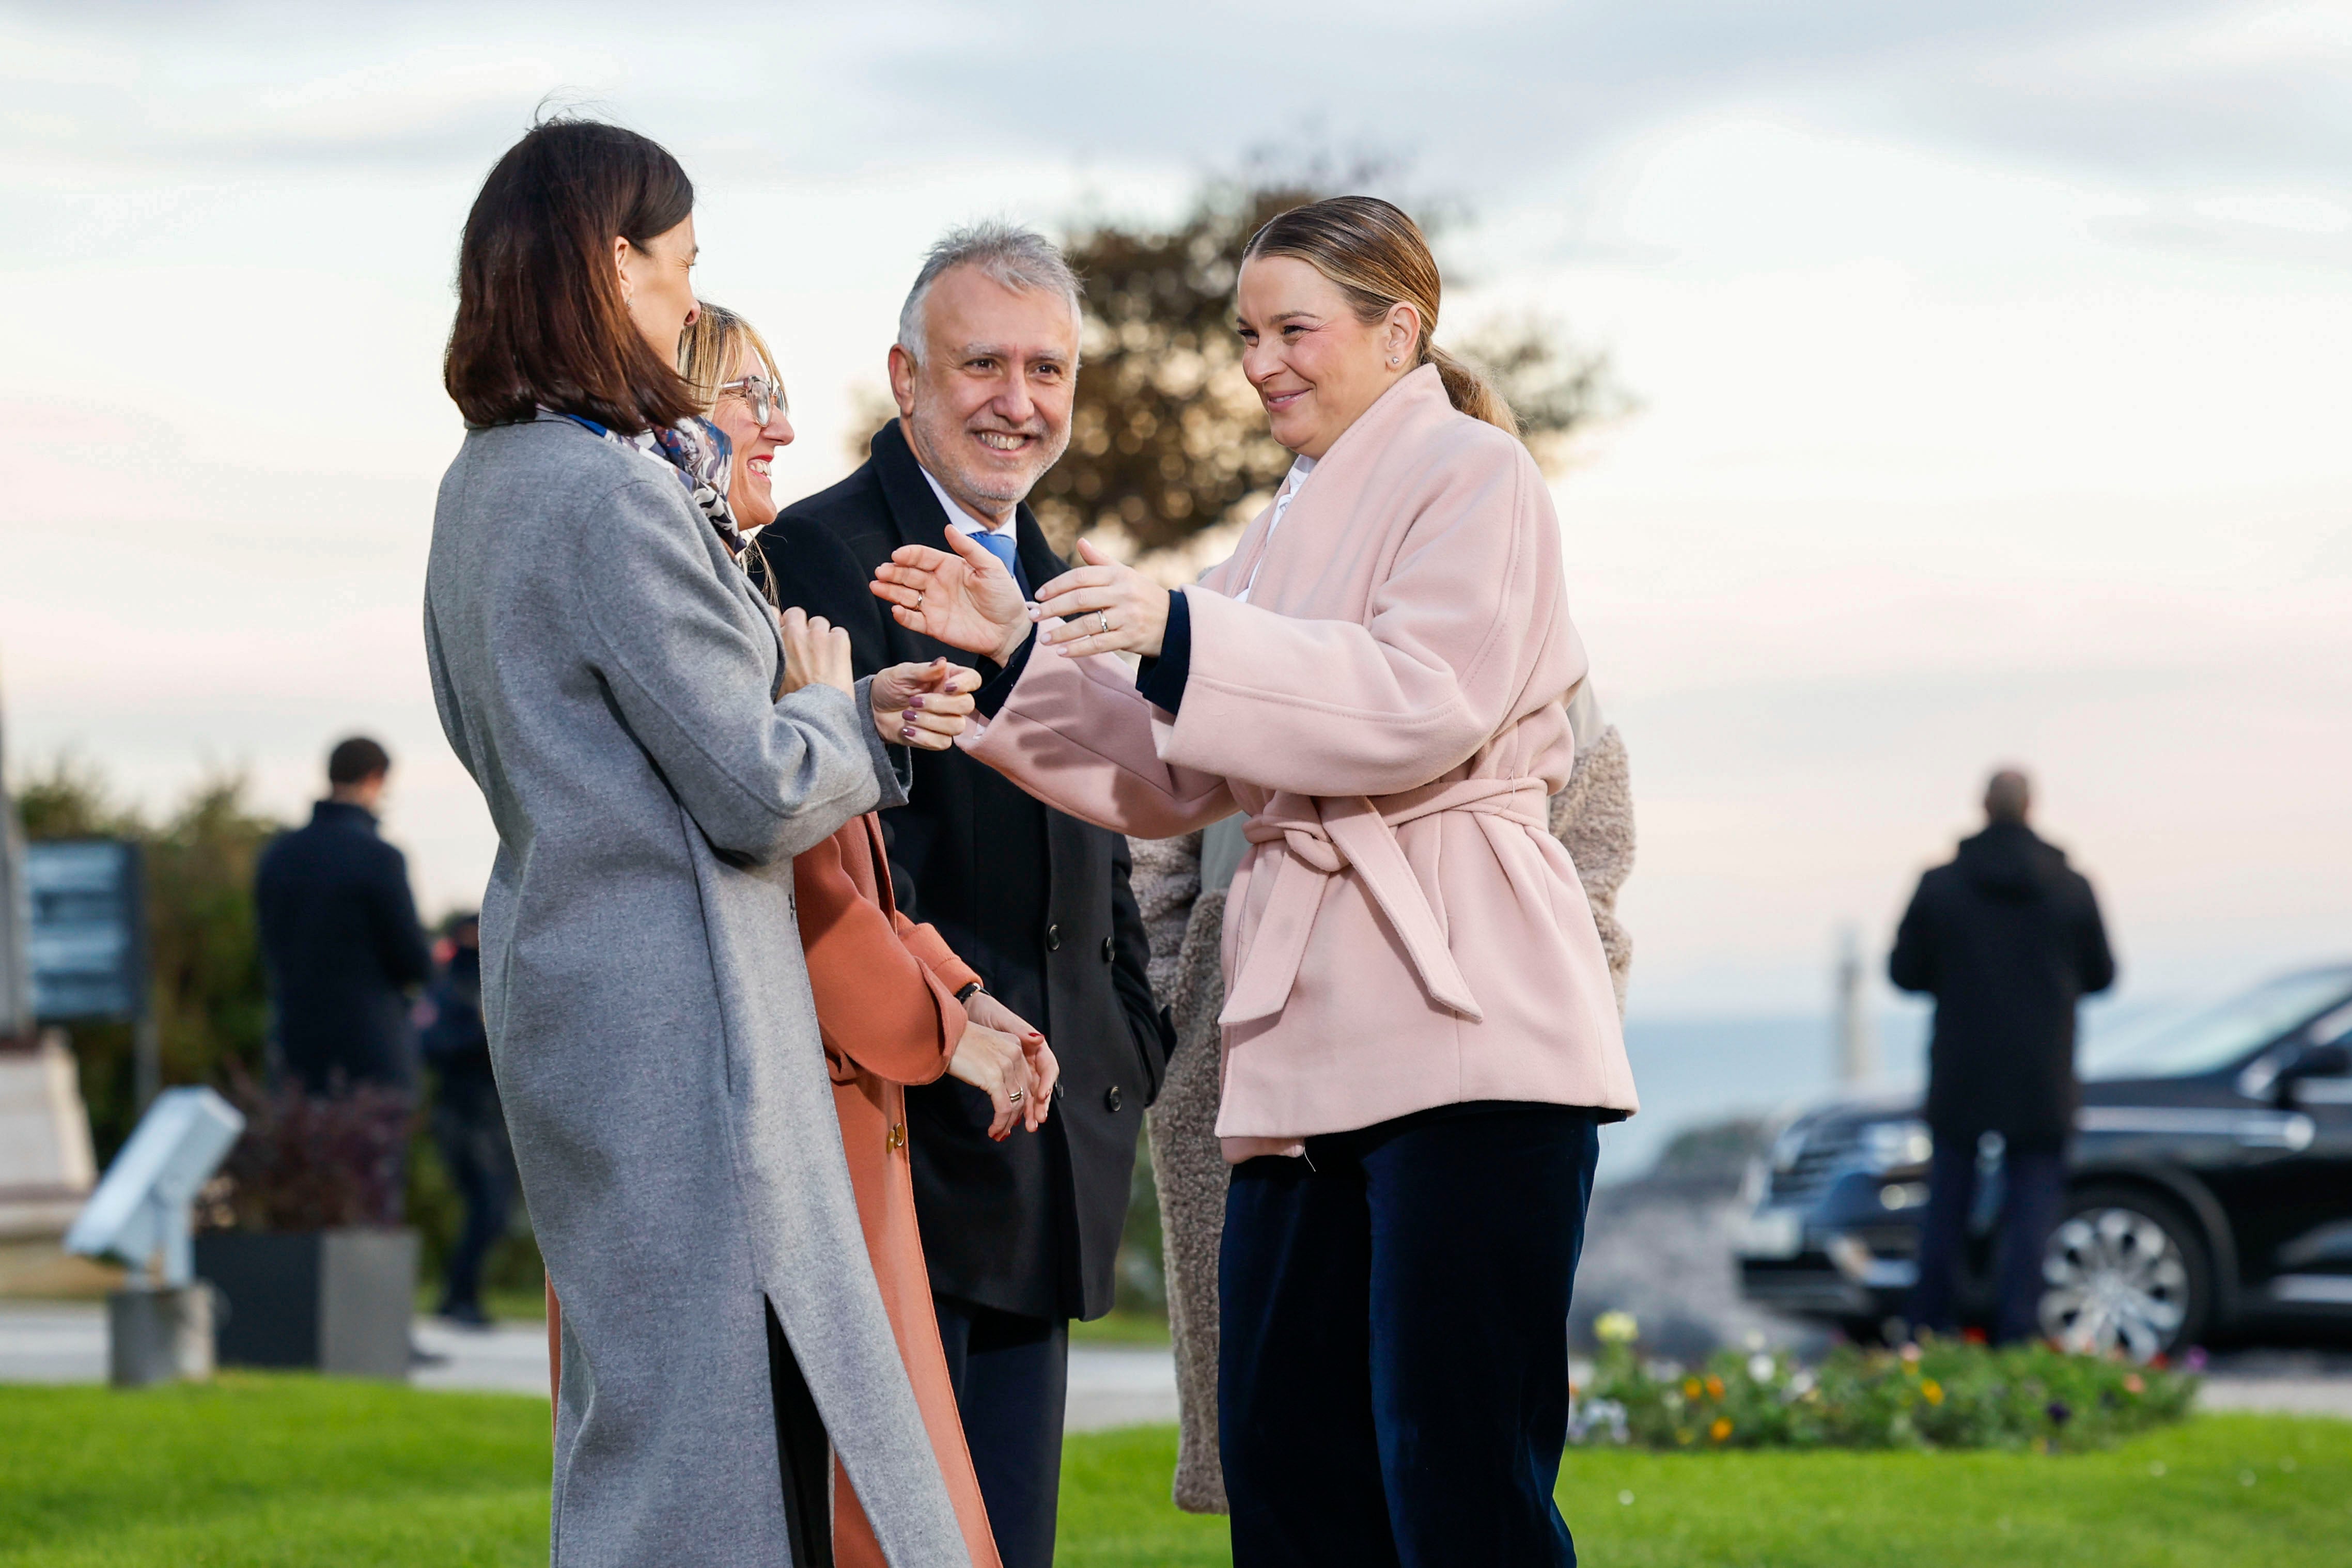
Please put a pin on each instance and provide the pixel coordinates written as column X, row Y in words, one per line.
column 1494, row 97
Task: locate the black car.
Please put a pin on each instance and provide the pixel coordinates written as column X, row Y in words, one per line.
column 2209, row 1188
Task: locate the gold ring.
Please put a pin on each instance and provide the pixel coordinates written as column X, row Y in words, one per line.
column 1016, row 1097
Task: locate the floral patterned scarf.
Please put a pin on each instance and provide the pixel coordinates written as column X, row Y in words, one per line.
column 699, row 453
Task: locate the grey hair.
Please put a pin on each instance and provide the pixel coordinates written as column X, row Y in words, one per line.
column 1014, row 257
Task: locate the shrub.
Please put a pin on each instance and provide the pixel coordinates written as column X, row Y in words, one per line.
column 1936, row 1393
column 312, row 1164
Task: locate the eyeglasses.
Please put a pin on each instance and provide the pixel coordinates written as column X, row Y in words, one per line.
column 766, row 398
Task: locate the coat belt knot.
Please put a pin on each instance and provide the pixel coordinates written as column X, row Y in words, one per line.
column 1324, row 836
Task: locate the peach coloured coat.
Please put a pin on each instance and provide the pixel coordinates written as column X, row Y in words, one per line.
column 1389, row 708
column 886, row 1003
column 885, row 990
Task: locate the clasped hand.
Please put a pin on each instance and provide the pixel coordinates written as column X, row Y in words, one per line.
column 964, row 597
column 921, row 705
column 998, row 1054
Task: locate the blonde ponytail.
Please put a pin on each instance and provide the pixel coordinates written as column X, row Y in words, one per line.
column 1379, row 257
column 1467, row 388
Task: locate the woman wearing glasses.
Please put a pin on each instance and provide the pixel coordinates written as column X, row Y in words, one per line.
column 727, row 362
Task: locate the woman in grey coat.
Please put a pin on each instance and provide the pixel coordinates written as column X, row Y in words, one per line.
column 1180, row 884
column 609, row 677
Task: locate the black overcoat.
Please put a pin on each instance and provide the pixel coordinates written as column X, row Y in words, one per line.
column 1035, row 901
column 341, row 944
column 2007, row 938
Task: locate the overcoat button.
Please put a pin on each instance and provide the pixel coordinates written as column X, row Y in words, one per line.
column 1053, row 938
column 897, row 1139
column 1111, row 1098
column 1110, row 950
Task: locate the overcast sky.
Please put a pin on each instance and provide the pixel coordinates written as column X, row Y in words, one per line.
column 1991, row 360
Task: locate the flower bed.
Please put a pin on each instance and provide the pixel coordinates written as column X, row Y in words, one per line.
column 1939, row 1393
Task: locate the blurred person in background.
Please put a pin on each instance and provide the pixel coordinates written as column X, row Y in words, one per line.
column 655, row 746
column 340, row 938
column 467, row 1127
column 2007, row 938
column 1181, row 885
column 1020, row 1236
column 1421, row 1039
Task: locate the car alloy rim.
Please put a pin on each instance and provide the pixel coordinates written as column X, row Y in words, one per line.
column 2117, row 1280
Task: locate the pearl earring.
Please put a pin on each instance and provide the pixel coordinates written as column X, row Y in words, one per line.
column 1394, row 361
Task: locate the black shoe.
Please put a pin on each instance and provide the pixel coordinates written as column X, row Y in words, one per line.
column 465, row 1314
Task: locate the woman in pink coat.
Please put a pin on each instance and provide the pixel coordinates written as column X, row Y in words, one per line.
column 1419, row 1036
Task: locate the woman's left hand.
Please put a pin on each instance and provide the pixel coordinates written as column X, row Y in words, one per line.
column 1107, row 608
column 987, row 1011
column 923, row 705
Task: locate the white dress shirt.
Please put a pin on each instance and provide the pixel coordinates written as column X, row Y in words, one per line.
column 1291, row 484
column 964, row 521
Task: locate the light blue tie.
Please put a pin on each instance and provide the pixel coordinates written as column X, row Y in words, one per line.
column 1003, row 547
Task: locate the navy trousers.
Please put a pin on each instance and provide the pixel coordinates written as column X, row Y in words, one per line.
column 1011, row 1378
column 472, row 1135
column 2034, row 1186
column 1392, row 1382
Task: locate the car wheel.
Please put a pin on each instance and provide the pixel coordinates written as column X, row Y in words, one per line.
column 2124, row 1272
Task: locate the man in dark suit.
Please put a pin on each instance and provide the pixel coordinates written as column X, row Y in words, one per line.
column 339, row 938
column 2007, row 937
column 1021, row 1235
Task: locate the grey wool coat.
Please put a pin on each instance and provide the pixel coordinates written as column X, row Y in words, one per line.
column 608, row 676
column 1180, row 886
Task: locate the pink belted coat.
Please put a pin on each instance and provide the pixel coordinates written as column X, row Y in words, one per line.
column 1388, row 707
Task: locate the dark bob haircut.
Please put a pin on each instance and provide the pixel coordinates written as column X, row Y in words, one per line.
column 539, row 315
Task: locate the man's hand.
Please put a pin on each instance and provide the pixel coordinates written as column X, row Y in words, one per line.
column 965, row 599
column 984, row 1009
column 923, row 705
column 816, row 653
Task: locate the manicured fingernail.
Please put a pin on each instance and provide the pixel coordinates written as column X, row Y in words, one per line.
column 908, row 733
column 914, row 705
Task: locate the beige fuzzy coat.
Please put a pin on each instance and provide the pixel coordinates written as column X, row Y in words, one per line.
column 1180, row 884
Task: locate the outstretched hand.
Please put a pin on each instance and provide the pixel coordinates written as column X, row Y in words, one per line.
column 1105, row 607
column 961, row 596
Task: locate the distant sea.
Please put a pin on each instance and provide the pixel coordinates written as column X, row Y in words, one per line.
column 1694, row 1070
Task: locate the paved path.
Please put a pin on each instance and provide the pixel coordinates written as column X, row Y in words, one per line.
column 1110, row 1386
column 2297, row 1381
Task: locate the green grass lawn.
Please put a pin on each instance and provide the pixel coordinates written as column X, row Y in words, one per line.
column 281, row 1471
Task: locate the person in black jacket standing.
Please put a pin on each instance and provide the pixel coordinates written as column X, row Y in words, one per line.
column 2007, row 938
column 1020, row 1236
column 339, row 938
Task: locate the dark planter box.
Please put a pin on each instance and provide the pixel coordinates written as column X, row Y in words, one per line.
column 338, row 1301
